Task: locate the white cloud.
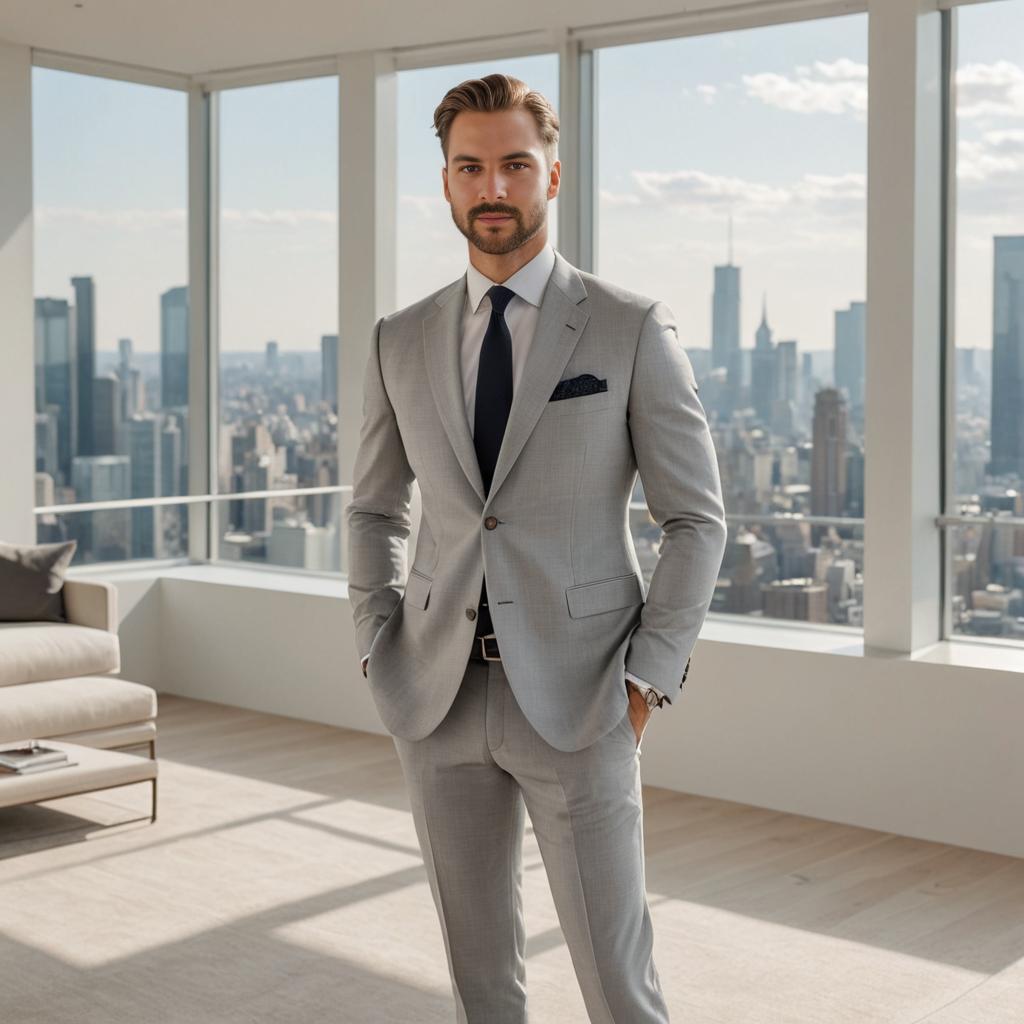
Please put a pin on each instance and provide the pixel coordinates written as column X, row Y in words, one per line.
column 709, row 195
column 990, row 90
column 707, row 93
column 836, row 87
column 832, row 188
column 698, row 190
column 131, row 219
column 609, row 198
column 288, row 218
column 995, row 155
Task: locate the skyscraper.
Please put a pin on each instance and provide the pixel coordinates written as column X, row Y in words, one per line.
column 106, row 415
column 849, row 352
column 103, row 535
column 174, row 348
column 786, row 396
column 85, row 354
column 725, row 313
column 1008, row 356
column 271, row 362
column 762, row 368
column 828, row 459
column 56, row 357
column 329, row 369
column 143, row 446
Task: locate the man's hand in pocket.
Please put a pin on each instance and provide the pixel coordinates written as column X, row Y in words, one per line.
column 639, row 711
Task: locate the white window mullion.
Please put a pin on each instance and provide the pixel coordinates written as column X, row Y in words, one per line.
column 202, row 305
column 902, row 393
column 367, row 212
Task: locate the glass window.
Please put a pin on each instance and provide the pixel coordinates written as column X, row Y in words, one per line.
column 986, row 567
column 110, row 181
column 278, row 333
column 431, row 251
column 731, row 177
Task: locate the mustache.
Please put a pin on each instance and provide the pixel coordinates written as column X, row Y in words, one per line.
column 503, row 210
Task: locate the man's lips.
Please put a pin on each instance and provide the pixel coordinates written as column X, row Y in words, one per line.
column 494, row 216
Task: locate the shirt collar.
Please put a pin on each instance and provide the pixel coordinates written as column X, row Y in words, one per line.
column 528, row 282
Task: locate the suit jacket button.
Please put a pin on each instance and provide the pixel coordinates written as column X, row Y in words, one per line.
column 470, row 614
column 491, row 522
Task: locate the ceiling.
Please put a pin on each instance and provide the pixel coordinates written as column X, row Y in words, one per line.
column 197, row 36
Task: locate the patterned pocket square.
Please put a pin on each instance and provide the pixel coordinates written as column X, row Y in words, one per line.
column 575, row 387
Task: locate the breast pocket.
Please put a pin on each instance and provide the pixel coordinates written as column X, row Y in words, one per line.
column 580, row 404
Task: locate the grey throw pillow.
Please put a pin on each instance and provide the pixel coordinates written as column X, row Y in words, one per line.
column 32, row 579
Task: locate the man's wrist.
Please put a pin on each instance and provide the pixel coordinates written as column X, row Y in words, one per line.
column 652, row 695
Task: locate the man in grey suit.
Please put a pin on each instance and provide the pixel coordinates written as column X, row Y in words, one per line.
column 517, row 663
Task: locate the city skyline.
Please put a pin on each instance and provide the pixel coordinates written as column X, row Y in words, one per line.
column 125, row 204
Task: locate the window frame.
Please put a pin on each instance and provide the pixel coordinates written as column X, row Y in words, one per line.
column 372, row 76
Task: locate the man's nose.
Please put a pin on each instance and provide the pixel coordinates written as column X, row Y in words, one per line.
column 493, row 186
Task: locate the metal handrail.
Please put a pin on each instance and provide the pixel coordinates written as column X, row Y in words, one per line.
column 185, row 499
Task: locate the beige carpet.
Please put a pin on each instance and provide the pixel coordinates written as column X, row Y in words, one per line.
column 282, row 884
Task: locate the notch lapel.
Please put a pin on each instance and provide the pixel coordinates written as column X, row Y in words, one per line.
column 442, row 337
column 560, row 324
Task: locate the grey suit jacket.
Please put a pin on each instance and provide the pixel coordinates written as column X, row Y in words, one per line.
column 567, row 598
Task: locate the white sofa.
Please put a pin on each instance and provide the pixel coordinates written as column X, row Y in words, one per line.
column 57, row 678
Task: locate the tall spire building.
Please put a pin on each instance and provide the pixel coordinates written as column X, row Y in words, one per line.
column 762, row 368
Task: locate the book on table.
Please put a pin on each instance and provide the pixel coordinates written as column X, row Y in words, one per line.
column 35, row 769
column 30, row 757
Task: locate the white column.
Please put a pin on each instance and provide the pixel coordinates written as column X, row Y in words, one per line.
column 577, row 206
column 367, row 204
column 17, row 320
column 902, row 385
column 203, row 221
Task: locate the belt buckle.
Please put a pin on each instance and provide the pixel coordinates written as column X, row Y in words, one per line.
column 483, row 647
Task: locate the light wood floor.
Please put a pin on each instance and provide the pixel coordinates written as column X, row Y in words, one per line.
column 282, row 883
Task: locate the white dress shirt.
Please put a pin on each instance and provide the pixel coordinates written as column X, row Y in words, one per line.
column 521, row 313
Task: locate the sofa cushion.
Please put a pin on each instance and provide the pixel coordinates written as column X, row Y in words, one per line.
column 31, row 577
column 33, row 651
column 39, row 710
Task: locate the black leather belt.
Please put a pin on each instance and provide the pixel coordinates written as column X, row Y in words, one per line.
column 485, row 648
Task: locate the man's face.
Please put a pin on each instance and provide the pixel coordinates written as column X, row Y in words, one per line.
column 497, row 180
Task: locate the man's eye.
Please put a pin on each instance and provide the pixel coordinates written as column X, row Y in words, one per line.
column 468, row 167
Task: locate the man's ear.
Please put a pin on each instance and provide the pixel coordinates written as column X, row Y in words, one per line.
column 554, row 178
column 444, row 184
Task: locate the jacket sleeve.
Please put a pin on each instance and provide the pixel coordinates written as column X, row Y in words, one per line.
column 678, row 467
column 378, row 512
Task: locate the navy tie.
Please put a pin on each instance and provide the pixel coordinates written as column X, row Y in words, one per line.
column 492, row 404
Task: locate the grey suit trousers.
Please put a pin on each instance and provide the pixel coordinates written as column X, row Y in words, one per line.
column 470, row 782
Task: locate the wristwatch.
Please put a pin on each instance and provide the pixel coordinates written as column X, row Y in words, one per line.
column 650, row 696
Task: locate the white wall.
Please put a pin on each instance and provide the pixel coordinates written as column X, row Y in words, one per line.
column 17, row 345
column 899, row 744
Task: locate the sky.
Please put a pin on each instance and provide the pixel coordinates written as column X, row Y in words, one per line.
column 765, row 124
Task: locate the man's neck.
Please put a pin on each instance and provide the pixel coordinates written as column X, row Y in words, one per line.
column 500, row 267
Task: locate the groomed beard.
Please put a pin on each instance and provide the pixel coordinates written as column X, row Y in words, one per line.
column 498, row 245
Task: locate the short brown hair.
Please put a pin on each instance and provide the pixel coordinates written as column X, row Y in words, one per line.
column 498, row 92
